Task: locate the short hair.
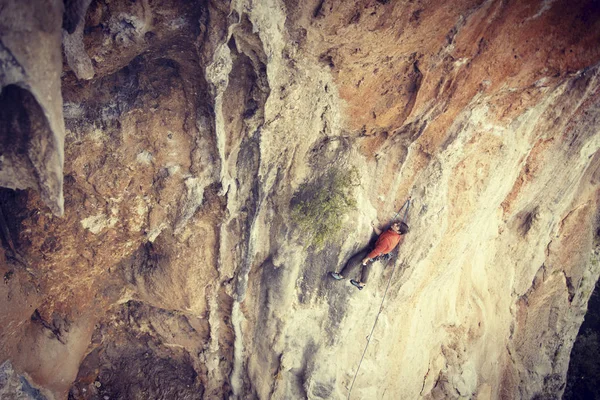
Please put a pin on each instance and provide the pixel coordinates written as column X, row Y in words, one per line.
column 403, row 228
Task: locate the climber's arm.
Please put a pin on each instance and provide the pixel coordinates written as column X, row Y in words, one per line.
column 376, row 229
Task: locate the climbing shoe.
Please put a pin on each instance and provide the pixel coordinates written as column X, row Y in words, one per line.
column 336, row 276
column 358, row 285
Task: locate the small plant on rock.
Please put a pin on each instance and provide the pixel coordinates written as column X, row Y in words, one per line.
column 318, row 206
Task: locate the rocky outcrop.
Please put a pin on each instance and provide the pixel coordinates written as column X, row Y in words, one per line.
column 185, row 265
column 74, row 48
column 32, row 128
column 16, row 387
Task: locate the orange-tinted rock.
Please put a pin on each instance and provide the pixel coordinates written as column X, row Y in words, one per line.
column 179, row 269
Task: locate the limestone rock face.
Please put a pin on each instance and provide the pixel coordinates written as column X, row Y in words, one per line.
column 32, row 128
column 206, row 132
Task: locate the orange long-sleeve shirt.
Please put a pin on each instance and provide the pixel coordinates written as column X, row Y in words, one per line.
column 386, row 242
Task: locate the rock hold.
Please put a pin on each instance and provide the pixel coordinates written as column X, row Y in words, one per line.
column 224, row 157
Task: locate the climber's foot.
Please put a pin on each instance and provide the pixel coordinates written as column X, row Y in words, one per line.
column 358, row 285
column 336, row 276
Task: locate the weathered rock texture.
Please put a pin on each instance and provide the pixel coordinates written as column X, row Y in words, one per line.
column 178, row 270
column 73, row 25
column 32, row 129
column 13, row 386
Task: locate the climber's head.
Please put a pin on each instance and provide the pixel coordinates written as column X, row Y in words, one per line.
column 399, row 227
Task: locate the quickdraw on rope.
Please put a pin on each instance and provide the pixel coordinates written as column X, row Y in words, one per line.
column 407, row 204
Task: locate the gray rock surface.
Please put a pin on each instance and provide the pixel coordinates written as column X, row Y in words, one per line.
column 72, row 39
column 16, row 387
column 32, row 129
column 216, row 138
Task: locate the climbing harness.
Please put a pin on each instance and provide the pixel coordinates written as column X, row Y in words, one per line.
column 407, row 204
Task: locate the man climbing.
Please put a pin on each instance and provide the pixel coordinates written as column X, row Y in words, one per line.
column 384, row 245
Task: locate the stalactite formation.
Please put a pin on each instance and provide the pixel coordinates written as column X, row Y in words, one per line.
column 170, row 205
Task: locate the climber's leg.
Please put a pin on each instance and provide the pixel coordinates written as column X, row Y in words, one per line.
column 365, row 271
column 353, row 263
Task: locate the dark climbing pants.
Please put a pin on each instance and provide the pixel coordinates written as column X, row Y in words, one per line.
column 353, row 263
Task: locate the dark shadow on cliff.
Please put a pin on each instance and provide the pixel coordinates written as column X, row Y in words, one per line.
column 28, row 146
column 137, row 355
column 583, row 376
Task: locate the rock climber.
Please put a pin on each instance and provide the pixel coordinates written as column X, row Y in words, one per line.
column 385, row 244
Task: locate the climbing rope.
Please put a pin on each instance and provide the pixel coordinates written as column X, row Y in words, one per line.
column 407, row 204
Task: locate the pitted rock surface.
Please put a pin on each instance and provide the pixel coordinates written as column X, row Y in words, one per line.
column 194, row 129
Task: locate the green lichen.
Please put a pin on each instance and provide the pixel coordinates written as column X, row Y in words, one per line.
column 318, row 206
column 594, row 260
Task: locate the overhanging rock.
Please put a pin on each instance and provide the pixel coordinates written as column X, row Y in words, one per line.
column 32, row 127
